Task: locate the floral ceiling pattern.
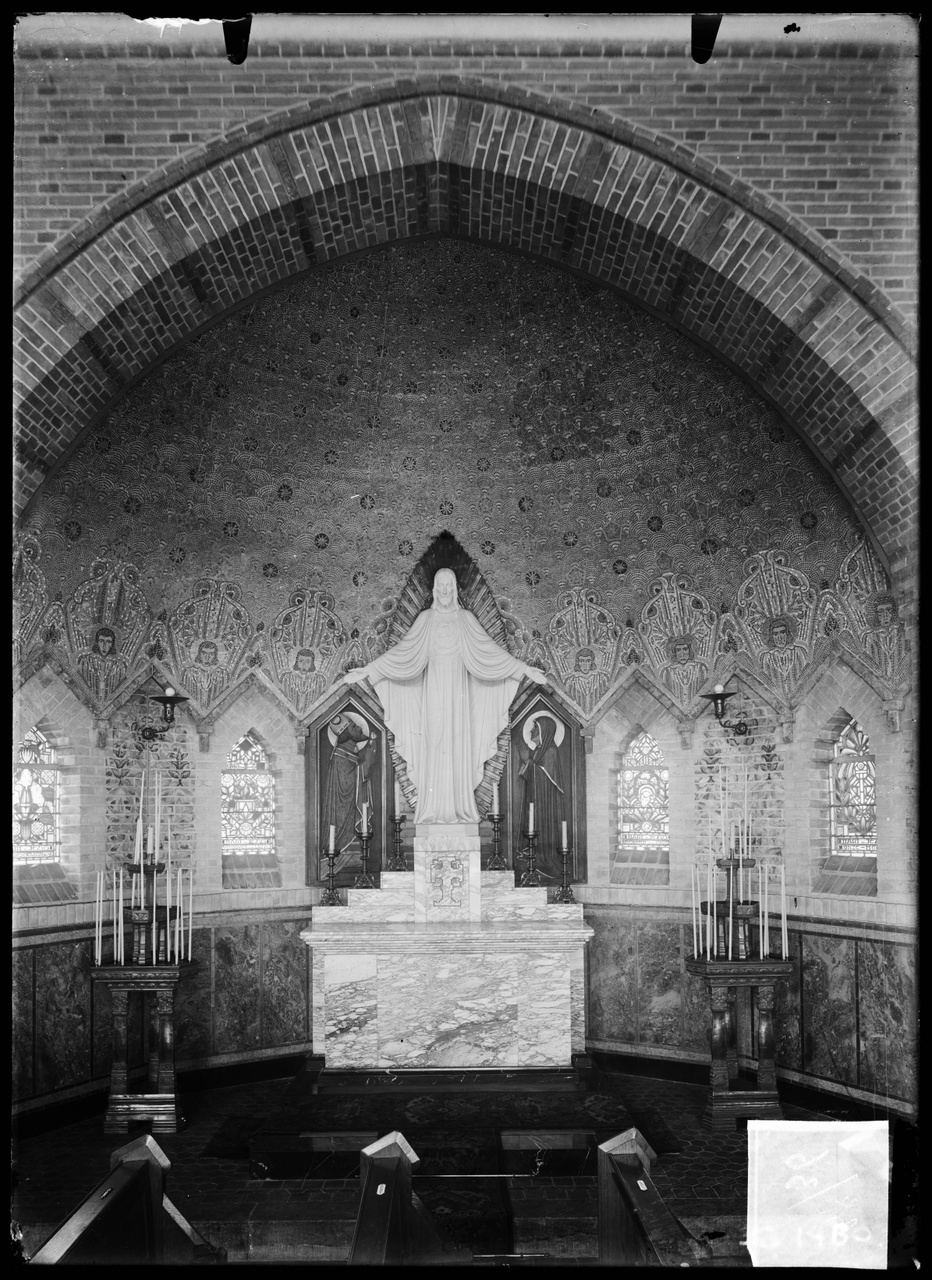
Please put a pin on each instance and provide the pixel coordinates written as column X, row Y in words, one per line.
column 257, row 503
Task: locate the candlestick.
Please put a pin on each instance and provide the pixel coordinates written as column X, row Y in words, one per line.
column 530, row 818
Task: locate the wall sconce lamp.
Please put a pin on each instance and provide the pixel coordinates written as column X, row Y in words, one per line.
column 718, row 698
column 169, row 700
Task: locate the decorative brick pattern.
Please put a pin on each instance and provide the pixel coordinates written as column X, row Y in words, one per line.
column 630, row 211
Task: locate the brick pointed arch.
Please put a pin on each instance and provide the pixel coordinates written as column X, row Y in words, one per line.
column 443, row 156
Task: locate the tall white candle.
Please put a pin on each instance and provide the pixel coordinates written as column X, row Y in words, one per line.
column 708, row 918
column 760, row 908
column 97, row 918
column 784, row 938
column 158, row 816
column 116, row 918
column 721, row 798
column 190, row 909
column 564, row 845
column 365, row 815
column 498, row 797
column 137, row 852
column 714, row 918
column 168, row 893
column 731, row 907
column 397, row 798
column 142, row 887
column 766, row 913
column 333, row 832
column 155, row 917
column 178, row 913
column 530, row 819
column 120, row 950
column 693, row 872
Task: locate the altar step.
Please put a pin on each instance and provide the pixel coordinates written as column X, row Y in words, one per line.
column 448, row 1080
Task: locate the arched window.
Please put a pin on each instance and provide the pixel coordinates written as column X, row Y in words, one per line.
column 846, row 845
column 36, row 835
column 852, row 808
column 642, row 854
column 247, row 818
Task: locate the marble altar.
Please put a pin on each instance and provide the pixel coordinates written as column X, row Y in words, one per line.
column 448, row 966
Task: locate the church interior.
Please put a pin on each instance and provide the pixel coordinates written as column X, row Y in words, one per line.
column 615, row 318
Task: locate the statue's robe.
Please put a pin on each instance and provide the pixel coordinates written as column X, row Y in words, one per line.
column 446, row 688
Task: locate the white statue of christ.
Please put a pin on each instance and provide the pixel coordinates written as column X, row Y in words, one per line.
column 446, row 688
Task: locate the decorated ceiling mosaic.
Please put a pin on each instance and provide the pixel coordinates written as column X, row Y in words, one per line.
column 257, row 504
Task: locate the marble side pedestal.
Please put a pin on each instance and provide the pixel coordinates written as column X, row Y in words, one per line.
column 448, row 966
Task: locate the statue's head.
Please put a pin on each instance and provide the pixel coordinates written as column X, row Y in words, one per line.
column 445, row 590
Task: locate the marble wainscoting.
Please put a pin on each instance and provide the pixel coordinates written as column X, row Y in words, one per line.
column 412, row 996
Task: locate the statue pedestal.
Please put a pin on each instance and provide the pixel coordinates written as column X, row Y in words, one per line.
column 448, row 966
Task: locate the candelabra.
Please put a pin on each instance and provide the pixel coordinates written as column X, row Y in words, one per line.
column 331, row 895
column 530, row 878
column 364, row 880
column 496, row 860
column 565, row 893
column 397, row 861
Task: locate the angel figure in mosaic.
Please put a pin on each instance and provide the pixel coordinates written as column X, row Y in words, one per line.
column 883, row 640
column 102, row 667
column 204, row 677
column 303, row 683
column 684, row 675
column 585, row 682
column 784, row 659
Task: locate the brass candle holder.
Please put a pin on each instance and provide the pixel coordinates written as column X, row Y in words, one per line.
column 564, row 893
column 331, row 895
column 530, row 878
column 496, row 860
column 364, row 879
column 397, row 861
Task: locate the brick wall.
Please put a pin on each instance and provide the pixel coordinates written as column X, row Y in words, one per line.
column 831, row 133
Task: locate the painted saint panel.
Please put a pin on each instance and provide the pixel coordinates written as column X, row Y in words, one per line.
column 346, row 771
column 544, row 762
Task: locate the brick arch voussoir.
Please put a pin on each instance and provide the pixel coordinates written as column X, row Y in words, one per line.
column 603, row 199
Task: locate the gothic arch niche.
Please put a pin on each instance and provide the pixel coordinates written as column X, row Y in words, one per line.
column 546, row 767
column 445, row 552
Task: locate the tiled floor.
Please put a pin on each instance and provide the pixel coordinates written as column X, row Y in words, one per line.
column 702, row 1176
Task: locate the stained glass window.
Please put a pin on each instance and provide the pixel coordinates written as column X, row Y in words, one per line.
column 35, row 801
column 852, row 810
column 644, row 797
column 247, row 805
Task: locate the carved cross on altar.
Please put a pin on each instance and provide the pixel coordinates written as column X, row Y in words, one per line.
column 444, row 879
